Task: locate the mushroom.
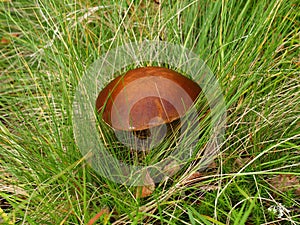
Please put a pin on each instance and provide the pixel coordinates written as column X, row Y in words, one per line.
column 145, row 101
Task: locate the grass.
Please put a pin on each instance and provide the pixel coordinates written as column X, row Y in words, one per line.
column 252, row 47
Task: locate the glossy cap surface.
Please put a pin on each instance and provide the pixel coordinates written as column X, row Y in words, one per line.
column 146, row 97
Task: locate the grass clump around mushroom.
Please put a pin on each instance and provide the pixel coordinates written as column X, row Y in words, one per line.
column 252, row 47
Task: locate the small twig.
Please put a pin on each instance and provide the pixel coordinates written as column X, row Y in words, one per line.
column 104, row 212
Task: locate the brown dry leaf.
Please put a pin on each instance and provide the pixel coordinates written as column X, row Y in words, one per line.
column 7, row 40
column 212, row 165
column 193, row 177
column 297, row 192
column 286, row 182
column 146, row 190
column 104, row 211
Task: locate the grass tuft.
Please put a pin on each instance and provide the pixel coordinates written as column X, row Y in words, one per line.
column 252, row 48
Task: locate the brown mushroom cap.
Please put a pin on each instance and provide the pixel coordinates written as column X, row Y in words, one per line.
column 146, row 97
